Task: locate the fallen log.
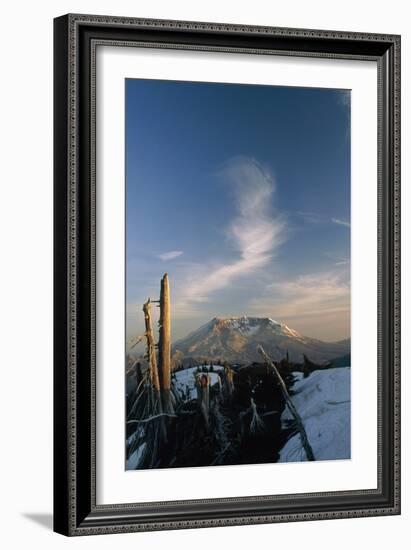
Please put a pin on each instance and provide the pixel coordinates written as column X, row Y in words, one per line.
column 290, row 405
column 151, row 418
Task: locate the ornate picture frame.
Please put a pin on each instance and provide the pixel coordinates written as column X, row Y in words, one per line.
column 76, row 40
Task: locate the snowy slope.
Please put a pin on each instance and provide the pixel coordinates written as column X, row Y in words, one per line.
column 324, row 402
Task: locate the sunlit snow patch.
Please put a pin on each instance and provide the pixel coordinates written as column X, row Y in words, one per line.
column 323, row 401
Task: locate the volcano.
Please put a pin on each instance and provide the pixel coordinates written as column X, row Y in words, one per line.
column 235, row 340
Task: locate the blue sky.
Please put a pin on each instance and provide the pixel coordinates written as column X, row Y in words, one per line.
column 242, row 194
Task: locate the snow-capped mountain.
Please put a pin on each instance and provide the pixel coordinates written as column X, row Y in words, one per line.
column 235, row 340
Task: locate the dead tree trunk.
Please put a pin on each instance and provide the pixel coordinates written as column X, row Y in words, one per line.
column 290, row 404
column 229, row 378
column 155, row 407
column 164, row 346
column 151, row 349
column 203, row 394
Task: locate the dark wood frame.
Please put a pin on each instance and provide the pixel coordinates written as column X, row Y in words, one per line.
column 75, row 40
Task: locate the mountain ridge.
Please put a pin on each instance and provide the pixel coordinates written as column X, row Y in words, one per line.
column 235, row 340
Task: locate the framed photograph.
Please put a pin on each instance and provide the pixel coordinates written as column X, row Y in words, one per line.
column 227, row 276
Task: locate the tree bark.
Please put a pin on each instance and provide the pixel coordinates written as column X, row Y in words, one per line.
column 151, row 351
column 203, row 394
column 229, row 378
column 164, row 345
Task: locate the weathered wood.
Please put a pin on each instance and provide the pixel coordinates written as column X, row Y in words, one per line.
column 221, row 431
column 164, row 345
column 151, row 418
column 140, row 398
column 203, row 395
column 256, row 424
column 290, row 404
column 134, row 341
column 229, row 377
column 151, row 350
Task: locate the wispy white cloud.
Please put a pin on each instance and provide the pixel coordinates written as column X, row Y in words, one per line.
column 309, row 294
column 341, row 222
column 172, row 255
column 316, row 218
column 254, row 233
column 338, row 260
column 307, row 301
column 317, row 304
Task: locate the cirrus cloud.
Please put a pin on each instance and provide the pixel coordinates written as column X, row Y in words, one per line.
column 172, row 255
column 310, row 303
column 255, row 232
column 341, row 222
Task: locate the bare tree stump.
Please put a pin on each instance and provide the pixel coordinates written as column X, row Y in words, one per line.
column 151, row 352
column 154, row 395
column 164, row 345
column 203, row 395
column 229, row 377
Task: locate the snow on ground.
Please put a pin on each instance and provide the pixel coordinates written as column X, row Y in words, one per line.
column 185, row 381
column 323, row 401
column 134, row 459
column 138, row 433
